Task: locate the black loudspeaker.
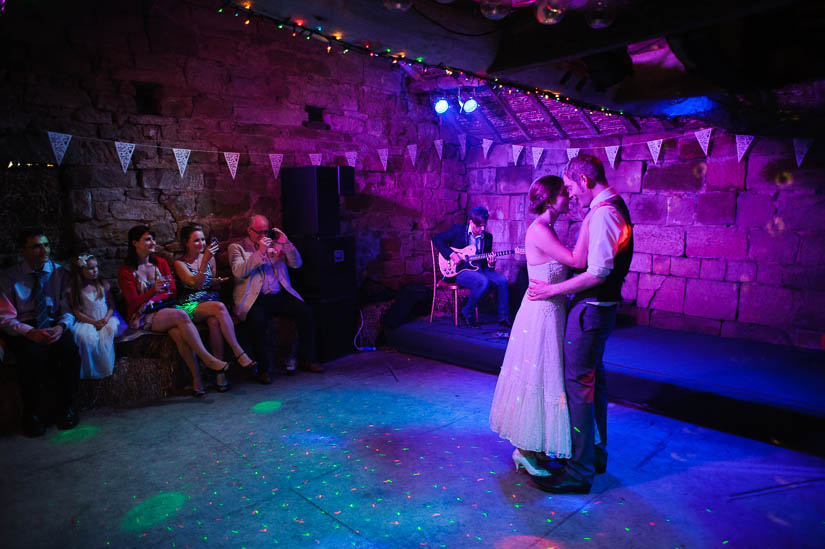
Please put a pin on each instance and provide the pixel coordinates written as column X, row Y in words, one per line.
column 346, row 180
column 310, row 201
column 328, row 270
column 336, row 322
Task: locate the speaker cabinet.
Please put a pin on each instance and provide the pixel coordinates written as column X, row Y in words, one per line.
column 328, row 270
column 336, row 322
column 346, row 180
column 310, row 201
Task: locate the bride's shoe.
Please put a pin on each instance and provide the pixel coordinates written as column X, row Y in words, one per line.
column 530, row 465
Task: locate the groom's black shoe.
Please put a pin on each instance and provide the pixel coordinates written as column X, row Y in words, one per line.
column 563, row 483
column 505, row 322
column 600, row 463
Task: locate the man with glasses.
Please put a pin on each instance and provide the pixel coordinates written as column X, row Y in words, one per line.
column 37, row 319
column 263, row 290
column 478, row 282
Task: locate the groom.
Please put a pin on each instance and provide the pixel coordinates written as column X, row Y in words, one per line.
column 591, row 318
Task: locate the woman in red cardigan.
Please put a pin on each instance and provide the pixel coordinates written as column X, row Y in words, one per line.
column 146, row 282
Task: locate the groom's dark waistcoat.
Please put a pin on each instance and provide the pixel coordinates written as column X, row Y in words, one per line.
column 611, row 288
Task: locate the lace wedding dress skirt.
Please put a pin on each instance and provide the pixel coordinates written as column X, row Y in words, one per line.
column 529, row 404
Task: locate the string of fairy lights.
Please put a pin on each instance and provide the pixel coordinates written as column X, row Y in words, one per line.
column 335, row 43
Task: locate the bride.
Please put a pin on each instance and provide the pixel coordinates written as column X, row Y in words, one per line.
column 529, row 404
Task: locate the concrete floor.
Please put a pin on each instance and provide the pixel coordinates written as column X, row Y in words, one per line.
column 358, row 458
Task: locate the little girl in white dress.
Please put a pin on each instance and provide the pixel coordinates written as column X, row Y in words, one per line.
column 97, row 324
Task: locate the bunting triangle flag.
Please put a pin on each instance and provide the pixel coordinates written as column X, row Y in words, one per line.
column 60, row 142
column 462, row 144
column 485, row 146
column 384, row 154
column 275, row 161
column 800, row 148
column 351, row 156
column 655, row 147
column 516, row 153
column 232, row 161
column 413, row 152
column 743, row 143
column 703, row 137
column 439, row 147
column 572, row 153
column 611, row 152
column 537, row 152
column 124, row 152
column 315, row 159
column 182, row 158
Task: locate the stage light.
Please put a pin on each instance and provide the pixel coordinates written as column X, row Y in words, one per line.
column 469, row 106
column 441, row 105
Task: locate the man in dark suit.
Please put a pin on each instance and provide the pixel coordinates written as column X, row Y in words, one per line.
column 478, row 282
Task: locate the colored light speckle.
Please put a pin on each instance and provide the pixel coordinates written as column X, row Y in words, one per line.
column 577, row 429
column 266, row 406
column 81, row 432
column 153, row 511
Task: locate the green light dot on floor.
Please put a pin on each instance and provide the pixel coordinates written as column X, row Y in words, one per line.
column 81, row 432
column 266, row 406
column 152, row 511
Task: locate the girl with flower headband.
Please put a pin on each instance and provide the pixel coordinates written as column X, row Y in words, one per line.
column 97, row 322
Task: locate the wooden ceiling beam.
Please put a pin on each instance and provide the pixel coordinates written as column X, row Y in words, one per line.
column 549, row 117
column 512, row 114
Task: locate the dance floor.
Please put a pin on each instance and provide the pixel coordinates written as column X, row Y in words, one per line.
column 388, row 450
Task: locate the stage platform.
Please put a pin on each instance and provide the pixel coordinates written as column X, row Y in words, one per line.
column 759, row 390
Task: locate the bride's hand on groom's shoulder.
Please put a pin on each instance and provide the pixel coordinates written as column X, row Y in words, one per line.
column 539, row 289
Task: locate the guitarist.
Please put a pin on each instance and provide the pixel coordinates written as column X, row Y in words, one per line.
column 478, row 282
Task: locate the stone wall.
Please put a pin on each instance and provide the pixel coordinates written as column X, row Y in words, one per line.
column 723, row 247
column 179, row 74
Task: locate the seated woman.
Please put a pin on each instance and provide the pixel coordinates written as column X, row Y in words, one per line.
column 197, row 295
column 147, row 285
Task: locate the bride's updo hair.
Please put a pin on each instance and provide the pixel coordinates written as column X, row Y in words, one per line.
column 543, row 192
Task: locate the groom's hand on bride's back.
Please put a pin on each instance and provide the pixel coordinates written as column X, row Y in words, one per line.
column 539, row 289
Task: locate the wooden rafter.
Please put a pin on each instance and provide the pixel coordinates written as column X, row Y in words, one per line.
column 512, row 114
column 588, row 123
column 549, row 116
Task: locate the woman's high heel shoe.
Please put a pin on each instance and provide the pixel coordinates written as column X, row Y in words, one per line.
column 250, row 364
column 530, row 465
column 219, row 370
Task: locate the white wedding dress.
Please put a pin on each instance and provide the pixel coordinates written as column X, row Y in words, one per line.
column 529, row 404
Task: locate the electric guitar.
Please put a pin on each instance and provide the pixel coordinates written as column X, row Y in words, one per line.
column 449, row 268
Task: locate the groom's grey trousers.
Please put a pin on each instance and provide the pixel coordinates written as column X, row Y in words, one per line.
column 588, row 327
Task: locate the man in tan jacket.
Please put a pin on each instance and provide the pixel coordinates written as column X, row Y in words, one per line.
column 262, row 290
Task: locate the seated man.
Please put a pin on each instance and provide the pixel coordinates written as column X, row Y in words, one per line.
column 478, row 282
column 37, row 321
column 262, row 290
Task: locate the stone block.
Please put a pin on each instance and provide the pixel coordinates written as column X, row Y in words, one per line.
column 661, row 264
column 717, row 242
column 724, row 174
column 513, row 179
column 717, row 208
column 755, row 332
column 809, row 310
column 798, row 212
column 809, row 339
column 740, row 271
column 634, row 147
column 681, row 177
column 649, row 209
column 626, row 177
column 393, row 268
column 641, row 263
column 812, row 249
column 630, row 287
column 171, row 179
column 769, row 273
column 670, row 296
column 773, row 246
column 672, row 321
column 659, row 240
column 518, row 207
column 685, row 266
column 482, row 180
column 81, row 203
column 647, row 286
column 766, row 305
column 681, row 209
column 497, row 205
column 689, row 147
column 414, row 265
column 754, row 209
column 772, row 173
column 803, row 277
column 713, row 269
column 711, row 299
